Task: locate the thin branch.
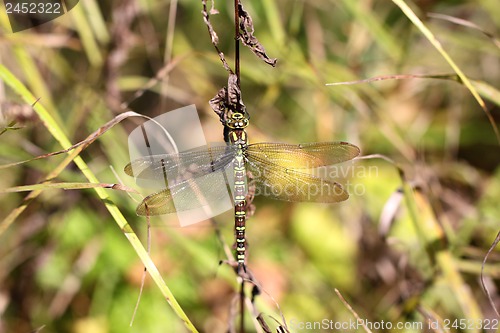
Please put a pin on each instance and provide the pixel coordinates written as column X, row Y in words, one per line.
column 213, row 35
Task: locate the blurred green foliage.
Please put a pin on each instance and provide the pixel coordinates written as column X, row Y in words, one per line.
column 395, row 255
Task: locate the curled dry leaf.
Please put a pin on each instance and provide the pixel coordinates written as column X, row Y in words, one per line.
column 228, row 98
column 218, row 102
column 249, row 40
column 234, row 93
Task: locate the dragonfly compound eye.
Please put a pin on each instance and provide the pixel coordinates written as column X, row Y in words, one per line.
column 237, row 120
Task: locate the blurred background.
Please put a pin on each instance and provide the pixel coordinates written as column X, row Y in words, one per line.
column 394, row 254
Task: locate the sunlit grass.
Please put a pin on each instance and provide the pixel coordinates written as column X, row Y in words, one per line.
column 393, row 256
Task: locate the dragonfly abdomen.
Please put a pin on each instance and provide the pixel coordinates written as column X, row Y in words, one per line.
column 240, row 191
column 238, row 138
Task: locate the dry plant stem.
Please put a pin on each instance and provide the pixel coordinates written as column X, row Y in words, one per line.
column 213, row 35
column 453, row 77
column 172, row 14
column 242, row 306
column 437, row 45
column 66, row 186
column 82, row 144
column 232, row 315
column 237, row 42
column 351, row 310
column 230, row 99
column 77, row 148
column 282, row 327
column 431, row 315
column 223, row 243
column 490, row 299
column 466, row 23
column 238, row 80
column 263, row 324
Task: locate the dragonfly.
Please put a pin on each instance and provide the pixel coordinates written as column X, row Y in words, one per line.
column 274, row 170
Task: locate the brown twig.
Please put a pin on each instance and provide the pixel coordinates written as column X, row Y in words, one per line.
column 213, row 35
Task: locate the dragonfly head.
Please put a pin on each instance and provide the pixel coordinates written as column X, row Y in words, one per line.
column 237, row 121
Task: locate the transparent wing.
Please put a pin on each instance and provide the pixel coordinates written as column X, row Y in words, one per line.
column 188, row 164
column 303, row 156
column 274, row 170
column 208, row 193
column 273, row 167
column 277, row 182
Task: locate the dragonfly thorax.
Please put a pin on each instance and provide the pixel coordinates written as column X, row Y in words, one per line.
column 238, row 137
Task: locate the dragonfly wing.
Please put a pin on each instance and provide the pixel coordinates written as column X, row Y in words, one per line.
column 208, row 193
column 278, row 182
column 305, row 155
column 188, row 164
column 158, row 203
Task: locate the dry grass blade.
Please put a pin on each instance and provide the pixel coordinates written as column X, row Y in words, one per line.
column 82, row 144
column 466, row 23
column 352, row 311
column 66, row 186
column 437, row 45
column 485, row 259
column 452, row 77
column 487, row 91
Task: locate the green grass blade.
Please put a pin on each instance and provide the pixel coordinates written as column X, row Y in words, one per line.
column 90, row 44
column 120, row 220
column 437, row 45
